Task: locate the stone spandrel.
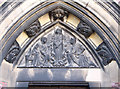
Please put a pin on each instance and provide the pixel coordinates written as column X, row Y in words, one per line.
column 58, row 48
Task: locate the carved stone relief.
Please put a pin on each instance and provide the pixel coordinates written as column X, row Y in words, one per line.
column 33, row 29
column 13, row 52
column 105, row 54
column 84, row 29
column 57, row 48
column 58, row 13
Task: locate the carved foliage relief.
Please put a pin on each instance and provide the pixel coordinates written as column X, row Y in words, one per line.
column 33, row 29
column 57, row 48
column 13, row 52
column 105, row 54
column 84, row 29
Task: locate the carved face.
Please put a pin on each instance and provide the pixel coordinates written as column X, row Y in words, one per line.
column 43, row 40
column 72, row 41
column 58, row 13
column 58, row 31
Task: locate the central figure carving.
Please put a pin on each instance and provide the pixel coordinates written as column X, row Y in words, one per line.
column 57, row 54
column 57, row 48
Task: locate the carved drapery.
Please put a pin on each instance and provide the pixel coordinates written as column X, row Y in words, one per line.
column 58, row 48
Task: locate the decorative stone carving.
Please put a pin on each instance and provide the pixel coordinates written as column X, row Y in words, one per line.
column 57, row 49
column 33, row 29
column 105, row 54
column 13, row 52
column 58, row 13
column 84, row 29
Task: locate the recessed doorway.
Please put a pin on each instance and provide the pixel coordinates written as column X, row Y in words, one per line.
column 58, row 85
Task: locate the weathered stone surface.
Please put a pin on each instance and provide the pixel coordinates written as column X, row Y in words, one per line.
column 13, row 52
column 58, row 13
column 33, row 29
column 105, row 54
column 84, row 29
column 57, row 49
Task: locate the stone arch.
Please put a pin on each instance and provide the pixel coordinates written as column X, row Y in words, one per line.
column 108, row 45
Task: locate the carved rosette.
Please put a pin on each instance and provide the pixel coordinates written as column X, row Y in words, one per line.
column 57, row 49
column 13, row 52
column 33, row 29
column 84, row 29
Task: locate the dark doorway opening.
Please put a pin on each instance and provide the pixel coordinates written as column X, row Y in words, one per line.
column 58, row 85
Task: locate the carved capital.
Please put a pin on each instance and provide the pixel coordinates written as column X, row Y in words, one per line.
column 84, row 29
